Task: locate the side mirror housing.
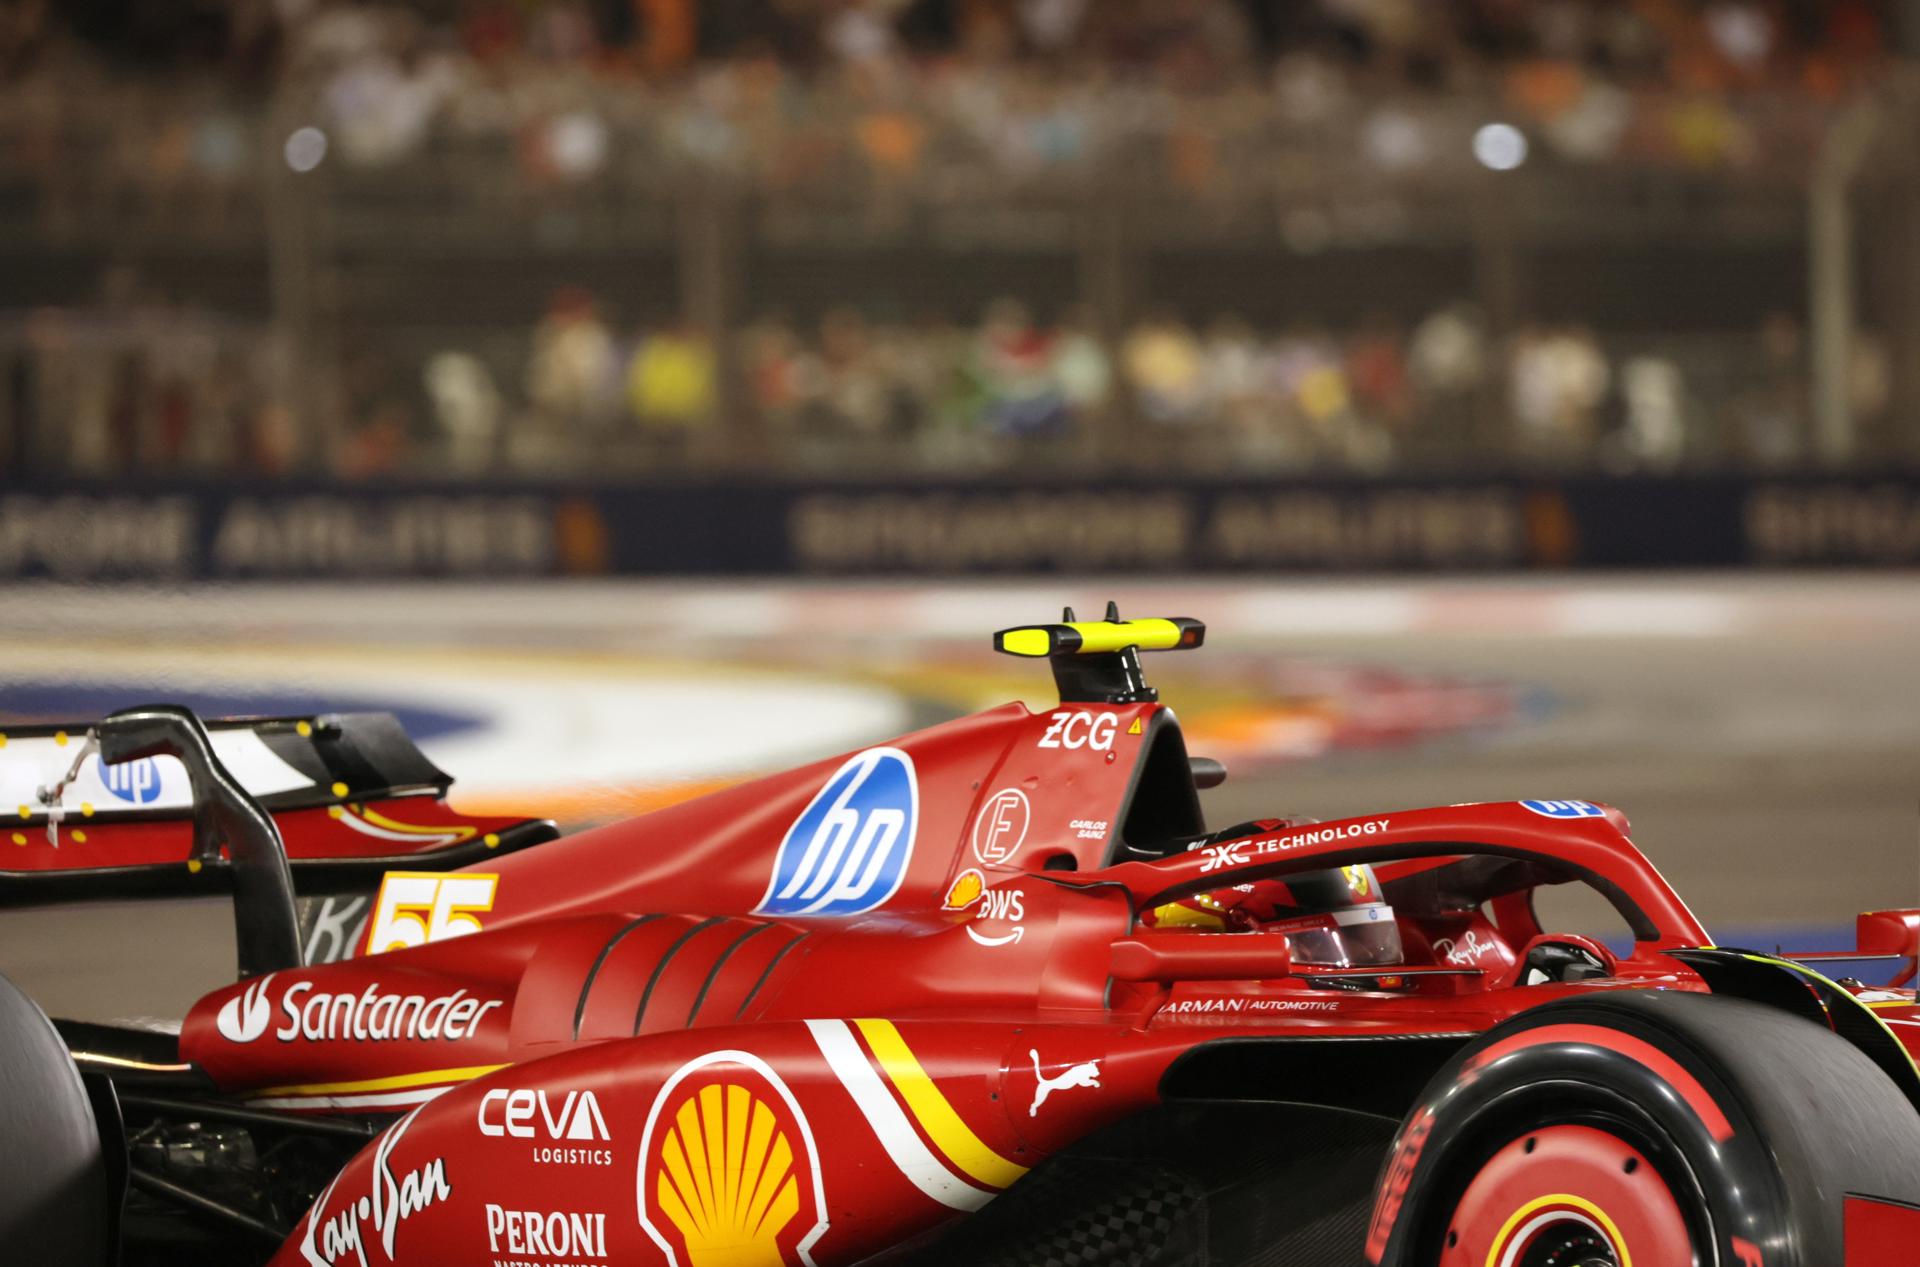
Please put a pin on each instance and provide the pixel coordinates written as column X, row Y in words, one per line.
column 1151, row 955
column 1889, row 933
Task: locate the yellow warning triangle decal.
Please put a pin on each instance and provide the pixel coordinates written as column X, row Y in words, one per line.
column 1135, row 728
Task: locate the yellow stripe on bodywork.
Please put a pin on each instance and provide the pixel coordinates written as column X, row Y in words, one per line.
column 929, row 1108
column 395, row 1083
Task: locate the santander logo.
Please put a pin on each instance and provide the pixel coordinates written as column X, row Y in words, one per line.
column 245, row 1016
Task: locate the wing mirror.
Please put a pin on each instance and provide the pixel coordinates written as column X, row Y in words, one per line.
column 1151, row 955
column 1207, row 772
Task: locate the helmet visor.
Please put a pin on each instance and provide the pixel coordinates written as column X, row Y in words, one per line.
column 1358, row 937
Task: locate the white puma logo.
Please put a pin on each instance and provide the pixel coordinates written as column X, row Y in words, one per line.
column 1087, row 1075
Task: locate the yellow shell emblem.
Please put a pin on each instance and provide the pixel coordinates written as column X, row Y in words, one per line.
column 966, row 890
column 726, row 1179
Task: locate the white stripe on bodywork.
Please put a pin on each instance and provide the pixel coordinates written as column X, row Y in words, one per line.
column 915, row 1160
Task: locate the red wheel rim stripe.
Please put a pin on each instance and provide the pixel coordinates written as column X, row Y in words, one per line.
column 1670, row 1071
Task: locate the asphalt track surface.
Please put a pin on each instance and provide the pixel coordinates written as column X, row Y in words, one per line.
column 1763, row 733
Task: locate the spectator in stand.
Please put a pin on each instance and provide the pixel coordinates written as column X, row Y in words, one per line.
column 1655, row 435
column 903, row 414
column 1770, row 418
column 1013, row 365
column 1323, row 396
column 775, row 368
column 1560, row 378
column 1377, row 369
column 1447, row 369
column 271, row 441
column 377, row 446
column 931, row 372
column 385, row 97
column 855, row 397
column 670, row 383
column 468, row 409
column 570, row 379
column 1163, row 367
column 1081, row 368
column 1235, row 391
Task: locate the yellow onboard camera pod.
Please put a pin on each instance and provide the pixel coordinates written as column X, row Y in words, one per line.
column 1098, row 661
column 1094, row 637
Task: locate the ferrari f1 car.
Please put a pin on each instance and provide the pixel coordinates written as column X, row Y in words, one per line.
column 990, row 993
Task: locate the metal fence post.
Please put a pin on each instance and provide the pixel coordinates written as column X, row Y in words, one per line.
column 1830, row 280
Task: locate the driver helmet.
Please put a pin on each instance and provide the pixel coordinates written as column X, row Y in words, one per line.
column 1342, row 921
column 1334, row 918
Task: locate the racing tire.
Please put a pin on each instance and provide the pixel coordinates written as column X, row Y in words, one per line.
column 1659, row 1128
column 54, row 1184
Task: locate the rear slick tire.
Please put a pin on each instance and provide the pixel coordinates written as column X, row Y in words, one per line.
column 54, row 1189
column 1660, row 1128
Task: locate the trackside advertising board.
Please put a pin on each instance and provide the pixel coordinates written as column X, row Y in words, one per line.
column 224, row 532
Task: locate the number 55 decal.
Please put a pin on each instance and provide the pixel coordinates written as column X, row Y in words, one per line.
column 417, row 907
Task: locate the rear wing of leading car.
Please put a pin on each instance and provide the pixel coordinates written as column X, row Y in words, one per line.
column 1878, row 935
column 350, row 796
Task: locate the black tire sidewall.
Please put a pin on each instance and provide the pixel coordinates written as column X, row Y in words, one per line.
column 1776, row 1181
column 54, row 1189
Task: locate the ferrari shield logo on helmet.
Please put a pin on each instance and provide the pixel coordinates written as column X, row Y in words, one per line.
column 849, row 849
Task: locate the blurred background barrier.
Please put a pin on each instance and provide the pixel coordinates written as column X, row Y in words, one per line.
column 964, row 239
column 141, row 531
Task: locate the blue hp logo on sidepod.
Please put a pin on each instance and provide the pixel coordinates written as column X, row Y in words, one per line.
column 1565, row 809
column 848, row 851
column 136, row 782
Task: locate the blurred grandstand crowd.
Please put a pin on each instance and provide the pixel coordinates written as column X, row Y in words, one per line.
column 192, row 124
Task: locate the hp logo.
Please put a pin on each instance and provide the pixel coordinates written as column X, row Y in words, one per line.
column 848, row 851
column 1565, row 809
column 136, row 782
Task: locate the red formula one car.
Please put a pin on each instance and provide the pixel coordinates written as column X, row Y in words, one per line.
column 990, row 993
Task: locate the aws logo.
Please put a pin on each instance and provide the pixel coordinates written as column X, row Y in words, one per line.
column 849, row 849
column 729, row 1171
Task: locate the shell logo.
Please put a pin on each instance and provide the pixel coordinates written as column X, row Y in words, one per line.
column 729, row 1172
column 966, row 890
